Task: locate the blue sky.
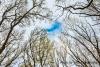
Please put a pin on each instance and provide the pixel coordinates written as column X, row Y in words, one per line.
column 53, row 30
column 55, row 26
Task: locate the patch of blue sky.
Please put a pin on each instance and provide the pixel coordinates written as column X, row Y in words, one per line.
column 54, row 30
column 54, row 27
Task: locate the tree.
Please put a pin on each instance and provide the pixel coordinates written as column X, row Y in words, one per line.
column 15, row 15
column 86, row 8
column 85, row 50
column 39, row 50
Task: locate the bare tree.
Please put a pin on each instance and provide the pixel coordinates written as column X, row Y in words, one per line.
column 15, row 15
column 39, row 51
column 86, row 8
column 85, row 50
